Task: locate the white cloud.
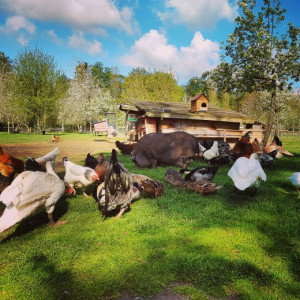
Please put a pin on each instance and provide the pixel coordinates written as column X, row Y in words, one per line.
column 77, row 41
column 198, row 14
column 19, row 27
column 152, row 51
column 83, row 15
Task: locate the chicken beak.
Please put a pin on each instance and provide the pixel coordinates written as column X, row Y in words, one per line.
column 95, row 177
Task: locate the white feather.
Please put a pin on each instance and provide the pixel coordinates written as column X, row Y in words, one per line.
column 29, row 194
column 212, row 152
column 295, row 178
column 246, row 171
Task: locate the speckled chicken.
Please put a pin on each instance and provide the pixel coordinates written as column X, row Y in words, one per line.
column 118, row 191
column 78, row 176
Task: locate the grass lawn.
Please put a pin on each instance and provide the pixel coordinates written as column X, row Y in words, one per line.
column 203, row 246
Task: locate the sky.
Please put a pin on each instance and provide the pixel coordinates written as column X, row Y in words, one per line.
column 182, row 35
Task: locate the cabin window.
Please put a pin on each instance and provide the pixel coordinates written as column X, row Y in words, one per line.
column 203, row 104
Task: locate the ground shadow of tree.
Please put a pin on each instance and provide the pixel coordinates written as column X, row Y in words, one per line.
column 38, row 220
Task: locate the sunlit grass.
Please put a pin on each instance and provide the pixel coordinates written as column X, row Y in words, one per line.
column 215, row 245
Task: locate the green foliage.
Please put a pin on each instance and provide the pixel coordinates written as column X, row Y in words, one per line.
column 196, row 85
column 35, row 81
column 156, row 86
column 210, row 246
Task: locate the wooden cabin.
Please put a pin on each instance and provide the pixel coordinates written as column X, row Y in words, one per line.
column 198, row 118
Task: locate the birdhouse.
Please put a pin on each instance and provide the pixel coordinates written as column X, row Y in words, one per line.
column 199, row 103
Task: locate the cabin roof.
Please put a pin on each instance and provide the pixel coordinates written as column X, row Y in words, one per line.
column 175, row 110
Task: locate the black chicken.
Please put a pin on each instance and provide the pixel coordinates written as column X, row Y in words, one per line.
column 118, row 190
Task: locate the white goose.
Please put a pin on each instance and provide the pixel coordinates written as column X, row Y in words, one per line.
column 30, row 193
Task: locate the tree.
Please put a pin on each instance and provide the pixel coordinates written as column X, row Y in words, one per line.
column 86, row 101
column 261, row 58
column 196, row 85
column 9, row 111
column 35, row 80
column 157, row 86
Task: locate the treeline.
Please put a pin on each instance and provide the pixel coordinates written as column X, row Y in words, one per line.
column 258, row 81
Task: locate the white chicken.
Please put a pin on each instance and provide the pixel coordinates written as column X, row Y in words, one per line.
column 247, row 172
column 295, row 178
column 30, row 193
column 212, row 152
column 78, row 176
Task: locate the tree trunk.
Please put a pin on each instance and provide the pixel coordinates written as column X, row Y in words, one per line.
column 270, row 120
column 8, row 131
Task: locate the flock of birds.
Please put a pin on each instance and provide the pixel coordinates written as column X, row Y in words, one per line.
column 37, row 188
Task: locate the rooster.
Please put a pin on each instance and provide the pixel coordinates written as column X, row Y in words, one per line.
column 78, row 176
column 9, row 166
column 30, row 193
column 125, row 149
column 118, row 191
column 243, row 147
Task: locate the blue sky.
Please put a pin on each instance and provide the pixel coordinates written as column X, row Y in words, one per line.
column 155, row 34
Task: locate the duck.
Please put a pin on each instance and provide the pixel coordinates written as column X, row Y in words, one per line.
column 199, row 173
column 247, row 173
column 212, row 152
column 152, row 188
column 222, row 159
column 203, row 187
column 295, row 178
column 174, row 178
column 29, row 194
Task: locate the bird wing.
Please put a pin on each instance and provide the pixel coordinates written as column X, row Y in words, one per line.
column 49, row 156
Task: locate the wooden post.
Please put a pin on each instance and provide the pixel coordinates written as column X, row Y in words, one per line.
column 224, row 135
column 126, row 126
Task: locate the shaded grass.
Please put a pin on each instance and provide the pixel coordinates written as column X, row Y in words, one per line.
column 213, row 245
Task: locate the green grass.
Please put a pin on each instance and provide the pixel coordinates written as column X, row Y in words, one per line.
column 212, row 245
column 29, row 138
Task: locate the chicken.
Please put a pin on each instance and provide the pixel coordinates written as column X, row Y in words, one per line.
column 174, row 178
column 78, row 176
column 39, row 164
column 267, row 160
column 243, row 147
column 90, row 161
column 295, row 178
column 277, row 144
column 247, row 173
column 200, row 173
column 55, row 138
column 9, row 166
column 125, row 149
column 256, row 146
column 212, row 152
column 204, row 187
column 118, row 191
column 30, row 193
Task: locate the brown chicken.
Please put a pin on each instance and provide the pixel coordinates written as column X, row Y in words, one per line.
column 9, row 166
column 243, row 147
column 277, row 144
column 256, row 146
column 125, row 149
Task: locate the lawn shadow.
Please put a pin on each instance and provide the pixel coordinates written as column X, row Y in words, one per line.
column 38, row 220
column 54, row 283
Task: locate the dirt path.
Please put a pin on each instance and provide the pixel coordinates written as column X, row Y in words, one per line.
column 75, row 150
